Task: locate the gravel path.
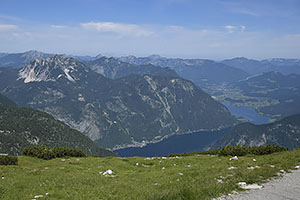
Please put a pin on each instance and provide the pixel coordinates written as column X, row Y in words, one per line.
column 285, row 188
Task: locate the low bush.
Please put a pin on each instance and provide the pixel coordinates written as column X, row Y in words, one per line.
column 8, row 160
column 239, row 151
column 234, row 151
column 244, row 150
column 50, row 153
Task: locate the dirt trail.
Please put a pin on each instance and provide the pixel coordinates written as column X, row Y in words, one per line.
column 285, row 188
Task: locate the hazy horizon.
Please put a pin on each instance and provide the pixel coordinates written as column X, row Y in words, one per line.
column 215, row 29
column 126, row 55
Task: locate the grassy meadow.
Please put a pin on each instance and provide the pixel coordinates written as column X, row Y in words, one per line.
column 190, row 177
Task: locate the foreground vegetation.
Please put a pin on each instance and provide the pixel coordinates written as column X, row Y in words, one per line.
column 47, row 153
column 238, row 150
column 8, row 160
column 179, row 177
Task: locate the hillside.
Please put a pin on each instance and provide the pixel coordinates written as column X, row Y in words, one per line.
column 130, row 110
column 112, row 68
column 22, row 127
column 4, row 101
column 192, row 177
column 285, row 132
column 283, row 89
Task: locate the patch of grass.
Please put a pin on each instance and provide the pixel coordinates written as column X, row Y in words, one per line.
column 190, row 177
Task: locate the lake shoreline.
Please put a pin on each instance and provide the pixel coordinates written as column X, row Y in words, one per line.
column 178, row 143
column 188, row 141
column 145, row 143
column 247, row 112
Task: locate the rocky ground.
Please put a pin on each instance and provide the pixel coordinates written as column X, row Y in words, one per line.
column 287, row 187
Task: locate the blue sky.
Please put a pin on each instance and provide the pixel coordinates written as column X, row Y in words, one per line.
column 214, row 29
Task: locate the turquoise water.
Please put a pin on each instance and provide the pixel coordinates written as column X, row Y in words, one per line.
column 249, row 113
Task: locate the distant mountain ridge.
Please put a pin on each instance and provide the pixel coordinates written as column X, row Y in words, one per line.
column 284, row 66
column 251, row 66
column 285, row 132
column 113, row 68
column 18, row 60
column 130, row 110
column 200, row 71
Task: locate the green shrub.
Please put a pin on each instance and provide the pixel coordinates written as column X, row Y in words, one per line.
column 50, row 153
column 8, row 160
column 234, row 151
column 244, row 150
column 239, row 151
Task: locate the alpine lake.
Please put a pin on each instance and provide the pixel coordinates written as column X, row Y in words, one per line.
column 191, row 142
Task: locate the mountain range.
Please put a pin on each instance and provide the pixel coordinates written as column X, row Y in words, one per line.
column 130, row 101
column 239, row 65
column 202, row 72
column 284, row 66
column 113, row 68
column 131, row 110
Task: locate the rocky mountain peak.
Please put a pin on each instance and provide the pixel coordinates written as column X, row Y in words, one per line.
column 50, row 69
column 98, row 56
column 33, row 54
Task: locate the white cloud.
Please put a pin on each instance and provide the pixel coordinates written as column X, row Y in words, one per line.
column 243, row 28
column 123, row 29
column 11, row 18
column 176, row 28
column 230, row 28
column 58, row 26
column 7, row 27
column 248, row 12
column 22, row 35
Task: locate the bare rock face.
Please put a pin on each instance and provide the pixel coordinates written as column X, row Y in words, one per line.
column 134, row 109
column 50, row 69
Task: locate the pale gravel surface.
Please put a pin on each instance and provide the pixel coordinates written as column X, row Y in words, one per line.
column 284, row 188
